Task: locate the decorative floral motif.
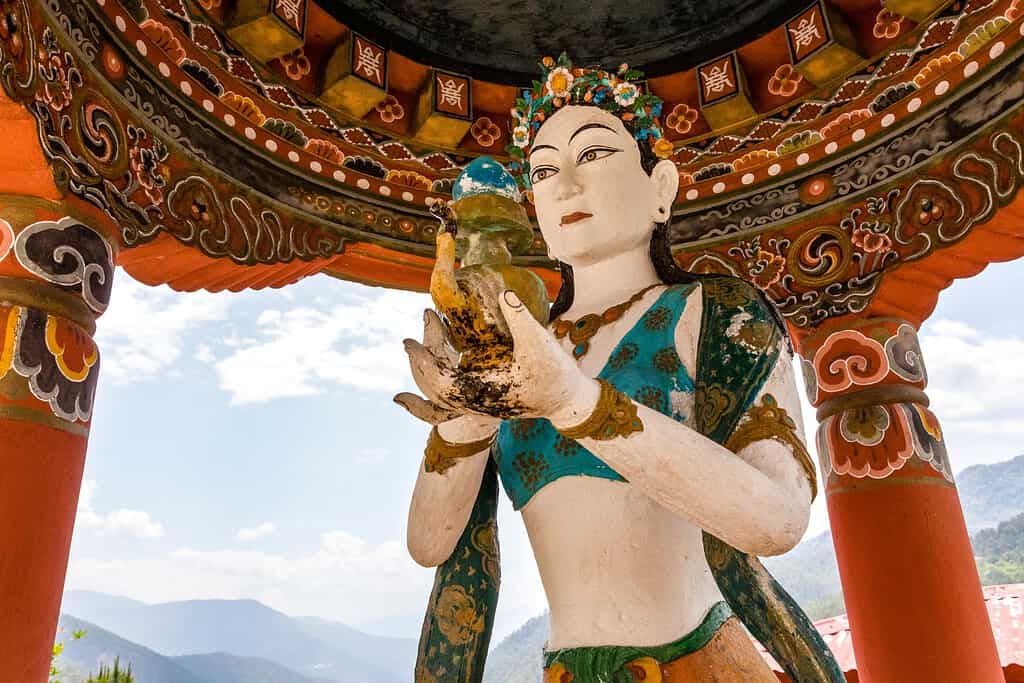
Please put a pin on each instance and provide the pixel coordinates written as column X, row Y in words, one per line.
column 623, row 356
column 59, row 360
column 753, row 158
column 785, row 81
column 646, row 669
column 891, row 96
column 657, row 318
column 981, row 35
column 244, row 106
column 165, row 39
column 60, row 74
column 557, row 673
column 681, row 118
column 871, row 242
column 566, row 447
column 409, row 179
column 654, row 398
column 532, row 468
column 847, row 119
column 325, row 150
column 616, row 93
column 936, row 66
column 1014, row 11
column 457, row 615
column 485, row 132
column 285, row 130
column 887, row 24
column 296, row 64
column 865, row 425
column 667, row 360
column 390, row 109
column 801, row 140
column 146, row 159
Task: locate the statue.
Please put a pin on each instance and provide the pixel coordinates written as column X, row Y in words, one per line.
column 648, row 433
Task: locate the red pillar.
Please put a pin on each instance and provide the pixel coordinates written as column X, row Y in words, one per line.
column 912, row 591
column 55, row 276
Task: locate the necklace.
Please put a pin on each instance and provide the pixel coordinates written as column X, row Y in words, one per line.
column 581, row 330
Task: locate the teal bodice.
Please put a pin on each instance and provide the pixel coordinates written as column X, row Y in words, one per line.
column 530, row 453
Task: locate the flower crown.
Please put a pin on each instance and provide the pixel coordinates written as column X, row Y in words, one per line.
column 565, row 84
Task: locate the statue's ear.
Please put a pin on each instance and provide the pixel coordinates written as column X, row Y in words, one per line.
column 665, row 177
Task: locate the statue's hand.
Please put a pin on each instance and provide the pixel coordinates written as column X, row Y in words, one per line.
column 455, row 423
column 542, row 380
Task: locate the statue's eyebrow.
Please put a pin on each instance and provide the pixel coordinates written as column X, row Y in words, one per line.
column 588, row 127
column 543, row 147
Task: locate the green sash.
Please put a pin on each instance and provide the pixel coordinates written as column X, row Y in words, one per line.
column 739, row 344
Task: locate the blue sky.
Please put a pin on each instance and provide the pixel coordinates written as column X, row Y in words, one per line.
column 246, row 446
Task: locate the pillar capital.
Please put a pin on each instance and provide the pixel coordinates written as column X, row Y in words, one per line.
column 867, row 381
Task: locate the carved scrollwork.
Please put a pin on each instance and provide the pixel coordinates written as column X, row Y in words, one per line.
column 232, row 227
column 70, row 255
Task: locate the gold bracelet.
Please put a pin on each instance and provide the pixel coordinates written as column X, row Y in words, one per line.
column 615, row 415
column 771, row 421
column 440, row 455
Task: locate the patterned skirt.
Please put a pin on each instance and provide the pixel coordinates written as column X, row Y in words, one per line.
column 717, row 651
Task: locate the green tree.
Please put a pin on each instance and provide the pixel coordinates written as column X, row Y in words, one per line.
column 115, row 675
column 58, row 648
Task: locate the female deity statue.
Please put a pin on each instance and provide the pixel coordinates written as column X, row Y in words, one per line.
column 649, row 435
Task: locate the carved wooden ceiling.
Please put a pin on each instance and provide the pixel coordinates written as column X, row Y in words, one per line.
column 826, row 150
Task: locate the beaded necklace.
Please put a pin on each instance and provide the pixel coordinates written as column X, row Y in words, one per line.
column 582, row 329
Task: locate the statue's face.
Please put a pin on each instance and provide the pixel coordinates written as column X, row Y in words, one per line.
column 593, row 198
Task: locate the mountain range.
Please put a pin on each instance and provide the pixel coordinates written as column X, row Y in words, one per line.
column 225, row 641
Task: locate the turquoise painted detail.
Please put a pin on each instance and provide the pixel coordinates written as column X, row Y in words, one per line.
column 485, row 176
column 644, row 365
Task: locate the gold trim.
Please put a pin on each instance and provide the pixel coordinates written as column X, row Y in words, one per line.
column 770, row 421
column 47, row 298
column 24, row 414
column 869, row 483
column 614, row 415
column 440, row 455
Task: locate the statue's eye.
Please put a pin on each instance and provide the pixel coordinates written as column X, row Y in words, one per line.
column 541, row 173
column 594, row 153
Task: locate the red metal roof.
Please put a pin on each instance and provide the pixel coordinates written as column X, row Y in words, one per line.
column 1005, row 606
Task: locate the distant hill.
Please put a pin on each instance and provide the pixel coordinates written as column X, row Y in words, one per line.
column 990, row 495
column 101, row 646
column 247, row 628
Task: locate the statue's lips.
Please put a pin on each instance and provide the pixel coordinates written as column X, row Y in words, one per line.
column 575, row 216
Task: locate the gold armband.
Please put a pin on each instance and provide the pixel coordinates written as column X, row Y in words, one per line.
column 771, row 421
column 439, row 454
column 615, row 415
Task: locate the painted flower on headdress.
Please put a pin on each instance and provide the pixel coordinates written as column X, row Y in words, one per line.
column 664, row 148
column 521, row 137
column 626, row 94
column 559, row 81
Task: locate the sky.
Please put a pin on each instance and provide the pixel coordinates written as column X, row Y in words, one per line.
column 246, row 445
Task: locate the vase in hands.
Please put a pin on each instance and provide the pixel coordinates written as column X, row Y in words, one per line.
column 484, row 225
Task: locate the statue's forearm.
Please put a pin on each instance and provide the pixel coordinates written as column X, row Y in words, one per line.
column 722, row 493
column 442, row 501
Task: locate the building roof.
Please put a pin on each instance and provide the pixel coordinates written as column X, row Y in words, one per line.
column 1005, row 606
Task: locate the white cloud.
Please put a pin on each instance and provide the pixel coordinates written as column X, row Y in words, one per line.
column 143, row 332
column 344, row 578
column 306, row 350
column 128, row 522
column 256, row 532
